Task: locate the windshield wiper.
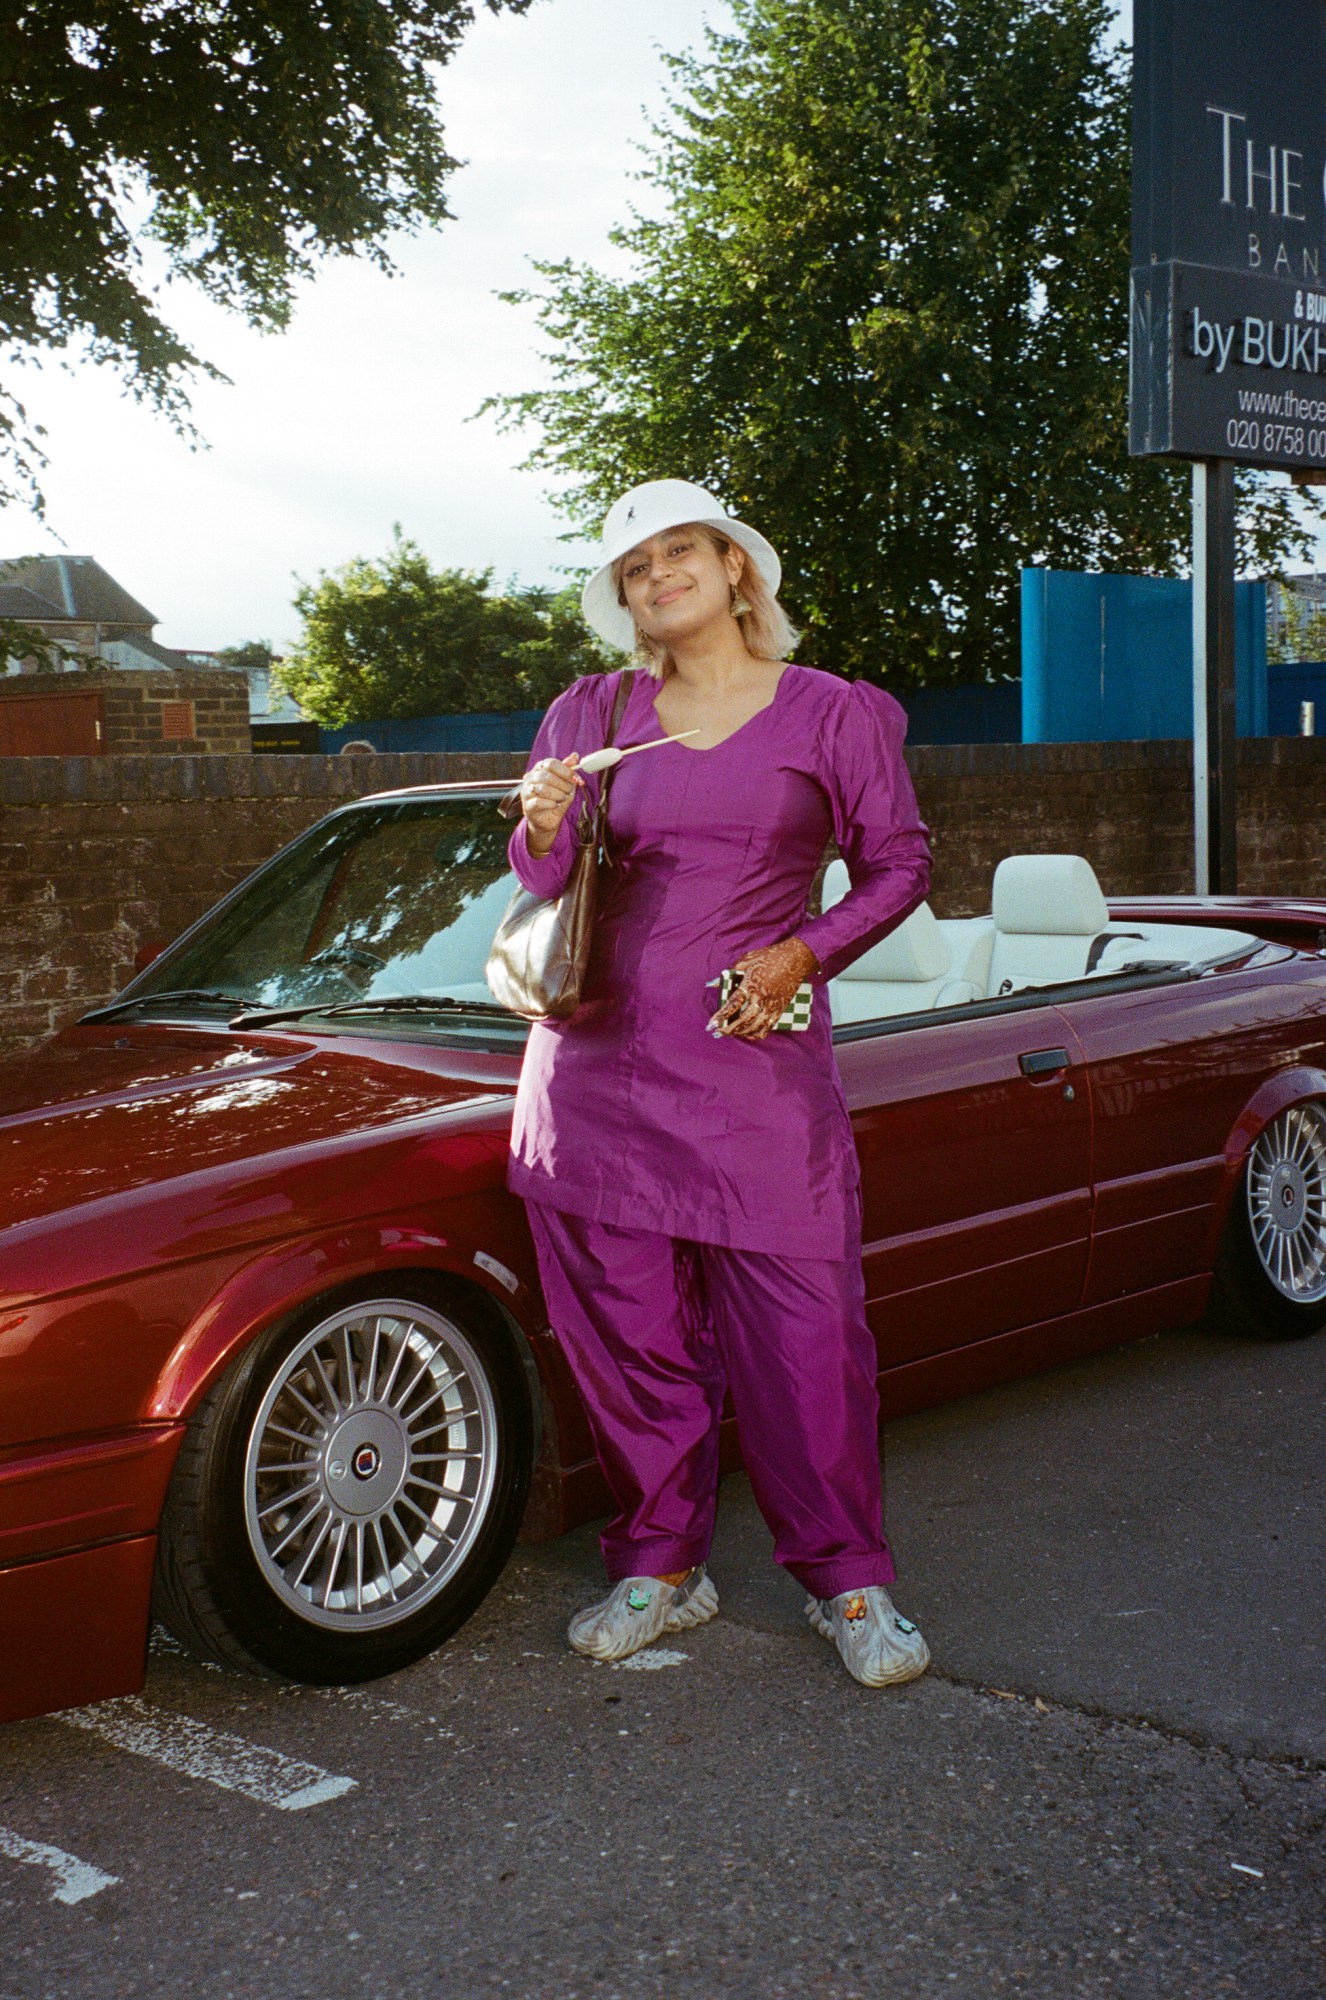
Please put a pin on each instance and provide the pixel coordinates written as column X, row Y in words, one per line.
column 405, row 1003
column 155, row 999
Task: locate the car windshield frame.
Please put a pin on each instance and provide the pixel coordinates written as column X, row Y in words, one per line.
column 310, row 866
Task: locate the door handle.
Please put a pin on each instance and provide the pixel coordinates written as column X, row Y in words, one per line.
column 1043, row 1062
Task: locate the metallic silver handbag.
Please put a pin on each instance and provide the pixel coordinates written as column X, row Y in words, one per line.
column 538, row 960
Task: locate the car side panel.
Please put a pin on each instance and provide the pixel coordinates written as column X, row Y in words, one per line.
column 1171, row 1072
column 74, row 1627
column 975, row 1177
column 83, row 1490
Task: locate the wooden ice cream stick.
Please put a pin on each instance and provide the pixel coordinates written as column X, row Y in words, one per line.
column 603, row 760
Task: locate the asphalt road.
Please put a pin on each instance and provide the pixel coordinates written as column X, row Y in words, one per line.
column 1110, row 1784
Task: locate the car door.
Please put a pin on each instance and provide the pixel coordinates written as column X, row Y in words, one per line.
column 974, row 1137
column 1170, row 1068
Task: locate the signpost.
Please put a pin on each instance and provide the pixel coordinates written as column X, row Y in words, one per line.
column 1228, row 306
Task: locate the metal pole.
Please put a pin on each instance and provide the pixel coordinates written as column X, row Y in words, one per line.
column 1214, row 741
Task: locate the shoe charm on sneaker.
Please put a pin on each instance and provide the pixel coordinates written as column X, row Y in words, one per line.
column 637, row 1610
column 877, row 1645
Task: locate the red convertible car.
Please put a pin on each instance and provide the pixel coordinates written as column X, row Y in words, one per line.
column 274, row 1367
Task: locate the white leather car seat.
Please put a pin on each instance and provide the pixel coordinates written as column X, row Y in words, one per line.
column 1048, row 913
column 909, row 972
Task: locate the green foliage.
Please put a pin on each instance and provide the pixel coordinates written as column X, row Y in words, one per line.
column 1302, row 634
column 252, row 653
column 399, row 638
column 881, row 307
column 49, row 656
column 245, row 139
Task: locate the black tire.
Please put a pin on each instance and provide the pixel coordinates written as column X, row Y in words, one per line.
column 224, row 1589
column 1285, row 1174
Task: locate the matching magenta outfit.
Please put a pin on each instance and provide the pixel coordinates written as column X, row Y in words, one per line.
column 694, row 1199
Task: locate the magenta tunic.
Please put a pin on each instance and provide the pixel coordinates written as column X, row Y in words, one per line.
column 630, row 1112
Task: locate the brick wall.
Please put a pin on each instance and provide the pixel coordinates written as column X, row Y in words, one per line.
column 1126, row 806
column 204, row 712
column 101, row 854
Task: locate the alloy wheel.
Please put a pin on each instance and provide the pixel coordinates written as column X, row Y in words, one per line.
column 1287, row 1203
column 370, row 1465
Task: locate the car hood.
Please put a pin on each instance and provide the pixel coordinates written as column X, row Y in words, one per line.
column 101, row 1112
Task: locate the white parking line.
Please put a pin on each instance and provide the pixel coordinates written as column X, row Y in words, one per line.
column 75, row 1880
column 197, row 1751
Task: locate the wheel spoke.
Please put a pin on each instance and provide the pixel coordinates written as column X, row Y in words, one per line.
column 404, row 1398
column 332, row 1397
column 342, row 1536
column 431, row 1486
column 371, row 1375
column 319, row 1416
column 304, row 1521
column 299, row 1437
column 310, row 1552
column 286, row 1500
column 384, row 1395
column 387, row 1566
column 348, row 1367
column 363, row 1397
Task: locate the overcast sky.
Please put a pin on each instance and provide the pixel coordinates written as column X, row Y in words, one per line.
column 356, row 417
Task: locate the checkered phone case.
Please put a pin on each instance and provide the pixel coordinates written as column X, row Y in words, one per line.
column 795, row 1016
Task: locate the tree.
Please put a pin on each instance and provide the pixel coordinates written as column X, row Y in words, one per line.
column 881, row 307
column 1299, row 633
column 252, row 653
column 244, row 140
column 32, row 648
column 399, row 638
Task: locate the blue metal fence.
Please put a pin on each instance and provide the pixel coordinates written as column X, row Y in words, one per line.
column 1104, row 659
column 442, row 732
column 1109, row 658
column 1287, row 685
column 990, row 713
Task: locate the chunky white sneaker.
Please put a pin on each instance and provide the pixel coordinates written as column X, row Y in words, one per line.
column 878, row 1645
column 638, row 1610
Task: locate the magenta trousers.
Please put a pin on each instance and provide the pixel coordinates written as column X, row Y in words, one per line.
column 654, row 1329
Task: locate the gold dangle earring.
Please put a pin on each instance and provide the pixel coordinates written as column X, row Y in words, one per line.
column 740, row 605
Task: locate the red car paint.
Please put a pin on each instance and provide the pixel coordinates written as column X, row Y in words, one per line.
column 170, row 1190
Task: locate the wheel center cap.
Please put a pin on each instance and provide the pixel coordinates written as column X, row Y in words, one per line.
column 367, row 1458
column 1287, row 1197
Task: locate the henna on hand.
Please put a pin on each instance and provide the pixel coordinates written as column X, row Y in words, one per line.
column 769, row 979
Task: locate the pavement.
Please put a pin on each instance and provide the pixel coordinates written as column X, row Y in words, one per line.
column 1111, row 1783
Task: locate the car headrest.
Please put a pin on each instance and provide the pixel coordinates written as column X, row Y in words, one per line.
column 1048, row 895
column 837, row 882
column 917, row 950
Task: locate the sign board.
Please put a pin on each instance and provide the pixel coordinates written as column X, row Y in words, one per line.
column 1228, row 292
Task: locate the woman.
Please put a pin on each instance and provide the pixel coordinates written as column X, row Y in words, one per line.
column 689, row 1170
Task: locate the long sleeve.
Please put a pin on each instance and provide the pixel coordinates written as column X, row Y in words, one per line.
column 570, row 724
column 879, row 832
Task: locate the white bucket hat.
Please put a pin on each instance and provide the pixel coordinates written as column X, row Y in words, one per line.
column 649, row 510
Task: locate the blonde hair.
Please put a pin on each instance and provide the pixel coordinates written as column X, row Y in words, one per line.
column 765, row 627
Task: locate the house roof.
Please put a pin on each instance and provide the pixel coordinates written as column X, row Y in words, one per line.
column 149, row 651
column 76, row 588
column 25, row 605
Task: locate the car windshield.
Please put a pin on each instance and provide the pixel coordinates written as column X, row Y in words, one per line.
column 393, row 899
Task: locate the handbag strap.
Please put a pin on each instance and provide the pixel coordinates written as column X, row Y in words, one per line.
column 605, row 782
column 509, row 805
